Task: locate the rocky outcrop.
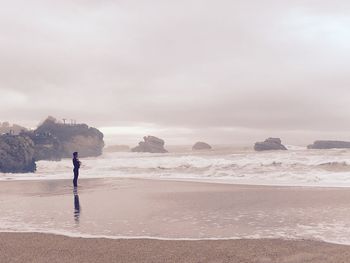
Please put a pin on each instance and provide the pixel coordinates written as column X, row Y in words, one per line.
column 16, row 154
column 199, row 146
column 269, row 145
column 117, row 148
column 54, row 140
column 46, row 146
column 150, row 144
column 329, row 145
column 50, row 141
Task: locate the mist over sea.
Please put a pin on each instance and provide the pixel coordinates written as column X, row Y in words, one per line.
column 296, row 167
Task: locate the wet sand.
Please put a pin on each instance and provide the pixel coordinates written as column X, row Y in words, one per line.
column 262, row 218
column 40, row 248
column 170, row 209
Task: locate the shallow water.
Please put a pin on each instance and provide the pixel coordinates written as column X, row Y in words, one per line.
column 115, row 208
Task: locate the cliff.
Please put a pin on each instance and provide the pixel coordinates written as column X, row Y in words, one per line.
column 54, row 140
column 50, row 141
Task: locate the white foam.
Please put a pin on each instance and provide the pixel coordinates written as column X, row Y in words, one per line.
column 297, row 167
column 307, row 235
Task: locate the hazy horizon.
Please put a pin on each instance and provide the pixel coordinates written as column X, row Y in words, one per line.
column 227, row 72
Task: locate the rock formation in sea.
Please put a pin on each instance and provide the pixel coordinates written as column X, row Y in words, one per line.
column 117, row 148
column 269, row 145
column 47, row 146
column 150, row 144
column 54, row 140
column 329, row 145
column 16, row 154
column 50, row 141
column 198, row 146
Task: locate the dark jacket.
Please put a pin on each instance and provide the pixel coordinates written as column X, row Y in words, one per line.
column 76, row 163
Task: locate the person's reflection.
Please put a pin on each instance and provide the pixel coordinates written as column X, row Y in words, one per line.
column 76, row 205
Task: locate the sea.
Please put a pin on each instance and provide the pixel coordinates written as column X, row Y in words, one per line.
column 296, row 167
column 120, row 211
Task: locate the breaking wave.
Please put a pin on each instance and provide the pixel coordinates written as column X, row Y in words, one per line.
column 297, row 166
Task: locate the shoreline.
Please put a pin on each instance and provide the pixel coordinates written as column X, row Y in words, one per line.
column 179, row 180
column 31, row 247
column 87, row 236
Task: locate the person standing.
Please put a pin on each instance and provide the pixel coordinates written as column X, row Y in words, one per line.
column 76, row 164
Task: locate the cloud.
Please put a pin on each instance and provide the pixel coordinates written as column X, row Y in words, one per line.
column 254, row 65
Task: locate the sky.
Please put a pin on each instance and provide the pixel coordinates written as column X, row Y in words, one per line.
column 224, row 71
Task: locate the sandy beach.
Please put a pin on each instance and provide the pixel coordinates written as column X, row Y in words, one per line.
column 135, row 220
column 41, row 248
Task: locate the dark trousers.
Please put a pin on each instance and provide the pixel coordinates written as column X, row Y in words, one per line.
column 76, row 175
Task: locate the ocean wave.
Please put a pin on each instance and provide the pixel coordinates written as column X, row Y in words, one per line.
column 293, row 167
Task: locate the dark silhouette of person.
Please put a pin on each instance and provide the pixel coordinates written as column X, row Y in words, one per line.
column 76, row 164
column 76, row 205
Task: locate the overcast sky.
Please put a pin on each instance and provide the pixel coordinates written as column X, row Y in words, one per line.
column 221, row 71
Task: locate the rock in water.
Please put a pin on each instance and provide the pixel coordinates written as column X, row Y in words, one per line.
column 150, row 144
column 198, row 146
column 329, row 145
column 54, row 140
column 269, row 145
column 16, row 154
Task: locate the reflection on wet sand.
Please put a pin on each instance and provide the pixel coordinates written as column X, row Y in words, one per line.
column 146, row 208
column 76, row 205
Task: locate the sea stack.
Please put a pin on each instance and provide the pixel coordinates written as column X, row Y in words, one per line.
column 201, row 146
column 269, row 144
column 150, row 144
column 54, row 140
column 329, row 145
